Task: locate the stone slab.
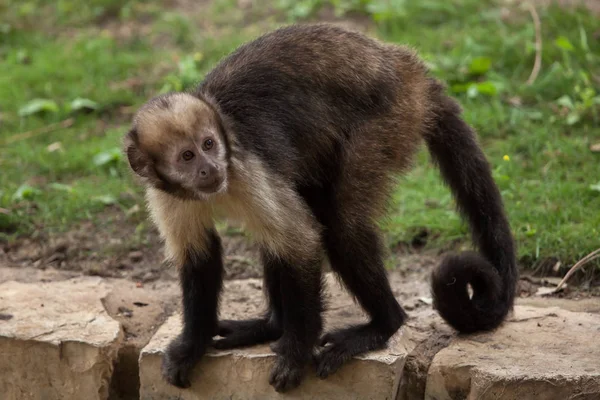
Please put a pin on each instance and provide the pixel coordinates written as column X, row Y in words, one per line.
column 244, row 373
column 56, row 340
column 541, row 353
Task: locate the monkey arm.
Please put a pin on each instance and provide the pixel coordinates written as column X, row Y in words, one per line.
column 201, row 279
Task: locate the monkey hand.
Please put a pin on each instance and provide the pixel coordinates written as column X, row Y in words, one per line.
column 181, row 356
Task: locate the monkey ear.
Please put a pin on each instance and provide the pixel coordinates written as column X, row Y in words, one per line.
column 138, row 160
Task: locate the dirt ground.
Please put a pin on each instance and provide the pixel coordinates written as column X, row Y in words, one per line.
column 105, row 248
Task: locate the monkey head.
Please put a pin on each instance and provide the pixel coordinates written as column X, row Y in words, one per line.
column 177, row 144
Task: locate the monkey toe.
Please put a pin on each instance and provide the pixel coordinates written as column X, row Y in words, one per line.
column 326, row 339
column 176, row 377
column 286, row 375
column 330, row 359
column 179, row 360
column 342, row 345
column 245, row 333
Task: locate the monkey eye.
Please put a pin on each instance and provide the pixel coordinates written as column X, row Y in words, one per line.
column 187, row 155
column 208, row 144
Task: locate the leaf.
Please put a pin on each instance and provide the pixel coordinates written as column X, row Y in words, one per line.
column 56, row 146
column 531, row 232
column 565, row 101
column 573, row 118
column 83, row 104
column 472, row 91
column 595, row 187
column 480, row 65
column 108, row 157
column 564, row 43
column 23, row 57
column 459, row 87
column 25, row 192
column 106, row 199
column 36, row 106
column 487, row 88
column 583, row 39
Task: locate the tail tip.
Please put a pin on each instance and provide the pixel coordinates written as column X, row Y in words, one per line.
column 483, row 310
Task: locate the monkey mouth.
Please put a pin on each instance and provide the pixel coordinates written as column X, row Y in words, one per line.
column 213, row 187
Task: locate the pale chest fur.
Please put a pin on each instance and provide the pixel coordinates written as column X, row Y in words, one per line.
column 272, row 212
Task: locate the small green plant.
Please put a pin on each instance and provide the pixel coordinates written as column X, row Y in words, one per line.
column 188, row 74
column 584, row 102
column 109, row 160
column 25, row 192
column 378, row 10
column 38, row 106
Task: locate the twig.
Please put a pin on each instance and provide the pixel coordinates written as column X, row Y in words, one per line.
column 45, row 129
column 537, row 65
column 593, row 255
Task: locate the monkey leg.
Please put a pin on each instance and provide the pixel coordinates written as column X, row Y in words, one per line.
column 355, row 254
column 201, row 282
column 259, row 330
column 300, row 290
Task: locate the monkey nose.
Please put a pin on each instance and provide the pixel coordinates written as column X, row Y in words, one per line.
column 206, row 171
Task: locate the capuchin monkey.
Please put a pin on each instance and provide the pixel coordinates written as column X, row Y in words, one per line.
column 299, row 135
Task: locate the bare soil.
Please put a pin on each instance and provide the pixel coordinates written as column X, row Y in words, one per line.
column 110, row 247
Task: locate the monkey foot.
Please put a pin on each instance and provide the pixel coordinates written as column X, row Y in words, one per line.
column 289, row 368
column 246, row 333
column 180, row 358
column 341, row 345
column 286, row 374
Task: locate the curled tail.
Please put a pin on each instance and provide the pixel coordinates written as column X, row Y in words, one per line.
column 492, row 273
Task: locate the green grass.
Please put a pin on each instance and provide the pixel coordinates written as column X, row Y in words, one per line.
column 64, row 51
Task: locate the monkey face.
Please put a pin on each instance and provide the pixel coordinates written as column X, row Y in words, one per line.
column 198, row 165
column 178, row 146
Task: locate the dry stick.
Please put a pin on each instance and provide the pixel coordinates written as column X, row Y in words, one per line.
column 45, row 129
column 593, row 255
column 538, row 44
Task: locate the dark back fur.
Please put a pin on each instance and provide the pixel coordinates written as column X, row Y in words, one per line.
column 338, row 113
column 296, row 102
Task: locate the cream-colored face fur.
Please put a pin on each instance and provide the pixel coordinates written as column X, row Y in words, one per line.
column 180, row 139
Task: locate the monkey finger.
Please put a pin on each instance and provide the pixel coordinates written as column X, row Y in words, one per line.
column 240, row 339
column 326, row 339
column 331, row 359
column 225, row 327
column 231, row 342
